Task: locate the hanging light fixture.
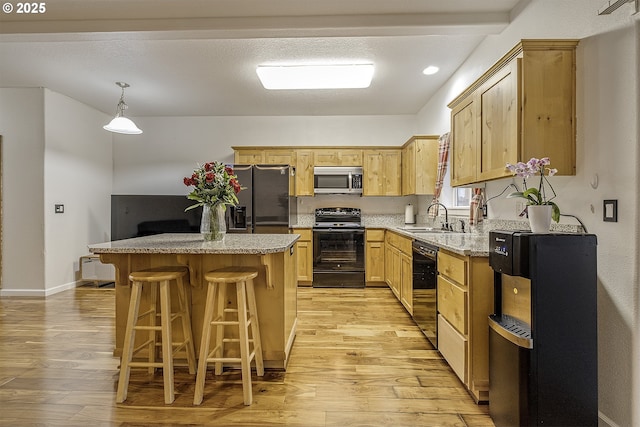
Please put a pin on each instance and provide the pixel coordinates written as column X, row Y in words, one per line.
column 121, row 124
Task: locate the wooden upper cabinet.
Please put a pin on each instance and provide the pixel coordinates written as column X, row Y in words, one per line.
column 280, row 157
column 264, row 156
column 248, row 156
column 337, row 157
column 549, row 114
column 304, row 172
column 408, row 168
column 382, row 166
column 373, row 171
column 522, row 107
column 392, row 172
column 462, row 149
column 420, row 165
column 498, row 103
column 382, row 172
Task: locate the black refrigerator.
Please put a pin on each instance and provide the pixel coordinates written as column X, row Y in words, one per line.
column 543, row 343
column 267, row 204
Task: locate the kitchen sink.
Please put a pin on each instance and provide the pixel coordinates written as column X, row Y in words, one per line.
column 423, row 229
column 432, row 231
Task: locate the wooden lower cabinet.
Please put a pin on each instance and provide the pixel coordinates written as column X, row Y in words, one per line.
column 399, row 268
column 406, row 281
column 304, row 247
column 374, row 265
column 453, row 347
column 465, row 300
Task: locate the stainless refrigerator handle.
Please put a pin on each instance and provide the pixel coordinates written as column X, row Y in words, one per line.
column 241, row 167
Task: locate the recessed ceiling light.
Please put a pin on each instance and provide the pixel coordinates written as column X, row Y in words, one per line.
column 431, row 69
column 353, row 76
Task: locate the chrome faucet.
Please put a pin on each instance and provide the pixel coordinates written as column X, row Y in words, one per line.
column 445, row 226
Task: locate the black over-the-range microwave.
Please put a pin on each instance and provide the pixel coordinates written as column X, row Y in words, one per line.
column 337, row 180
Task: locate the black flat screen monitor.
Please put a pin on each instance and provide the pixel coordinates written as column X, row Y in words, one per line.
column 143, row 215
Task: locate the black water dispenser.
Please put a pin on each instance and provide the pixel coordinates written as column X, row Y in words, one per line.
column 543, row 365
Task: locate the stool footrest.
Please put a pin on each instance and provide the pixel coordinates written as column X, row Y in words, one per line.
column 145, row 364
column 225, row 322
column 229, row 359
column 230, row 322
column 147, row 328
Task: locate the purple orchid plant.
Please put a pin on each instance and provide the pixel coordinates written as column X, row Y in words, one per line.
column 536, row 195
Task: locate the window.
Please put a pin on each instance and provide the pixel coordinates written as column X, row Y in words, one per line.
column 461, row 197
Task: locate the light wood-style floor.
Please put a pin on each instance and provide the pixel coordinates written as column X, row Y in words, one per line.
column 358, row 360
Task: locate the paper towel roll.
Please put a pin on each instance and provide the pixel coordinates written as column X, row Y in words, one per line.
column 409, row 216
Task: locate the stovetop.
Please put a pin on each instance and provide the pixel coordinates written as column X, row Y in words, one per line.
column 338, row 218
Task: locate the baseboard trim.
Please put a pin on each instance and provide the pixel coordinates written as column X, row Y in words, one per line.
column 39, row 293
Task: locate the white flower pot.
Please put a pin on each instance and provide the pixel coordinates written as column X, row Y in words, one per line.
column 539, row 218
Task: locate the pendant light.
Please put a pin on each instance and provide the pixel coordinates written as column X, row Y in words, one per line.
column 121, row 124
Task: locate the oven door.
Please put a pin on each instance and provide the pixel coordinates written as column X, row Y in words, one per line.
column 338, row 258
column 425, row 273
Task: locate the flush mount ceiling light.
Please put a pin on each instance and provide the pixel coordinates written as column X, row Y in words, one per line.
column 120, row 124
column 353, row 76
column 431, row 69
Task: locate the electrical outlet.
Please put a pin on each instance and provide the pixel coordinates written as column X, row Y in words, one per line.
column 59, row 208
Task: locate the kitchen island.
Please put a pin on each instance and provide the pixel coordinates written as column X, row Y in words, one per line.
column 275, row 287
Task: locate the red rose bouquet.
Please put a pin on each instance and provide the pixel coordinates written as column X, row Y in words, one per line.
column 214, row 183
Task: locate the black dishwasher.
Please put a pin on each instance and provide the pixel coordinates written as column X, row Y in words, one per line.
column 425, row 273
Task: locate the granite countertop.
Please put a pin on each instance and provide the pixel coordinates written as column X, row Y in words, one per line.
column 467, row 244
column 193, row 243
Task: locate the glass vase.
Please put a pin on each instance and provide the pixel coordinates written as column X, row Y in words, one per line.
column 539, row 218
column 213, row 226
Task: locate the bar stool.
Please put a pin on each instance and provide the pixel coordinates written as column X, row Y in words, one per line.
column 158, row 280
column 215, row 314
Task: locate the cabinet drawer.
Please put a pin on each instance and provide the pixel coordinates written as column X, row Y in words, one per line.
column 375, row 235
column 452, row 304
column 400, row 242
column 453, row 267
column 453, row 348
column 306, row 234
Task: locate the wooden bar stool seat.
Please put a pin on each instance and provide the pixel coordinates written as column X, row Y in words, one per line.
column 158, row 280
column 246, row 319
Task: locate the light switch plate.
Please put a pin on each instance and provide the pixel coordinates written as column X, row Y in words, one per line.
column 59, row 208
column 610, row 210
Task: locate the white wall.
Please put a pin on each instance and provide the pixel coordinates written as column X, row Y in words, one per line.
column 55, row 151
column 170, row 147
column 78, row 174
column 607, row 145
column 22, row 129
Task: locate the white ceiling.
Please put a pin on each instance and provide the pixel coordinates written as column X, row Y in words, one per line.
column 198, row 57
